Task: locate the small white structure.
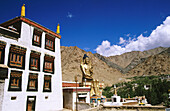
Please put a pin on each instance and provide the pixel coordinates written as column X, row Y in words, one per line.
column 115, row 98
column 117, row 101
column 32, row 78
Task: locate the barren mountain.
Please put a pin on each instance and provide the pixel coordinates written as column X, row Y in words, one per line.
column 116, row 68
column 129, row 60
column 153, row 65
column 71, row 59
column 125, row 59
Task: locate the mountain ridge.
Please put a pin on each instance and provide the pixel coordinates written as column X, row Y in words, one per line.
column 107, row 69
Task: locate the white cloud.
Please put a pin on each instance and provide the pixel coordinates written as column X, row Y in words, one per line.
column 159, row 37
column 69, row 15
column 121, row 40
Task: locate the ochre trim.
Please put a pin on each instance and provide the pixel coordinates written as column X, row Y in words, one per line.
column 7, row 23
column 40, row 27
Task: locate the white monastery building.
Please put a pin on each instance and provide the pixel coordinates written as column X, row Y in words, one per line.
column 30, row 66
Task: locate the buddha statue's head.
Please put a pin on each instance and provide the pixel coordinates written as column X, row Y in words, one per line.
column 86, row 59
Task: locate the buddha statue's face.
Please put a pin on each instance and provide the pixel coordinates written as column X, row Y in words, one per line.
column 86, row 60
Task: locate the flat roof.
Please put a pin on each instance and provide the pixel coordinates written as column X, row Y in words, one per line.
column 75, row 87
column 69, row 82
column 30, row 22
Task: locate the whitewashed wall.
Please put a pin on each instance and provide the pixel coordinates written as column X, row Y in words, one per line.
column 55, row 99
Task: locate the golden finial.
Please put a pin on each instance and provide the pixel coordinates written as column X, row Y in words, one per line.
column 23, row 10
column 58, row 29
column 115, row 92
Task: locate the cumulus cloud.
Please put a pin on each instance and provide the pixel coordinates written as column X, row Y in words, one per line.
column 159, row 37
column 121, row 40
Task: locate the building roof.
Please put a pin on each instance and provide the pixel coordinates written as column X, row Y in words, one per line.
column 79, row 89
column 30, row 22
column 8, row 32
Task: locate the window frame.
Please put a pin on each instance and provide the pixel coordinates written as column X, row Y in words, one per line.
column 17, row 60
column 49, row 42
column 16, row 57
column 32, row 78
column 36, row 39
column 47, row 83
column 13, row 82
column 34, row 61
column 49, row 64
column 15, row 76
column 2, row 52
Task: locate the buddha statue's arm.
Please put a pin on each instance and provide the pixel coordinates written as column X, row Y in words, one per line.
column 91, row 71
column 83, row 69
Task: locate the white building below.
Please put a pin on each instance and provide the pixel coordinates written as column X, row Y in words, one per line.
column 30, row 67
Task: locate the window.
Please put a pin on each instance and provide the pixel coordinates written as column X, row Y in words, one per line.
column 33, row 82
column 35, row 61
column 47, row 83
column 15, row 81
column 16, row 60
column 2, row 51
column 49, row 42
column 17, row 57
column 49, row 64
column 37, row 38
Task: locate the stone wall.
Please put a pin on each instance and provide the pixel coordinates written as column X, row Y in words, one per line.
column 2, row 82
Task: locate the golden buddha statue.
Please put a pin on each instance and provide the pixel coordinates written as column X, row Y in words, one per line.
column 87, row 79
column 86, row 68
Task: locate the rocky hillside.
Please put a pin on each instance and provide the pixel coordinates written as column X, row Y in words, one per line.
column 128, row 61
column 153, row 65
column 125, row 59
column 115, row 68
column 71, row 59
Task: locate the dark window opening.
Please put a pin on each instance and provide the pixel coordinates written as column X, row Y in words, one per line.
column 49, row 42
column 17, row 57
column 16, row 60
column 36, row 40
column 2, row 52
column 31, row 103
column 49, row 64
column 35, row 61
column 33, row 82
column 47, row 83
column 15, row 81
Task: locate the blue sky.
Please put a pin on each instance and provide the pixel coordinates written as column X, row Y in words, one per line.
column 103, row 26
